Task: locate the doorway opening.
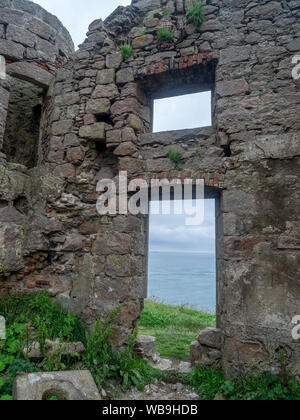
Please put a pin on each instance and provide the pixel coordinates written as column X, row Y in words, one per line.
column 181, row 279
column 22, row 130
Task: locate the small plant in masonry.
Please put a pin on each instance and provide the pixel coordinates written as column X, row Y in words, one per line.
column 126, row 51
column 164, row 36
column 195, row 14
column 174, row 156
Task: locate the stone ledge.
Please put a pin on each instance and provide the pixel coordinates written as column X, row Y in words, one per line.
column 171, row 137
column 31, row 73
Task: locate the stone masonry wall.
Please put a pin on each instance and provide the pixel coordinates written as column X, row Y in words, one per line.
column 35, row 45
column 98, row 121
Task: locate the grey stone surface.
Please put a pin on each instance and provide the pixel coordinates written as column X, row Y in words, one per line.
column 31, row 73
column 211, row 337
column 146, row 345
column 71, row 386
column 33, row 351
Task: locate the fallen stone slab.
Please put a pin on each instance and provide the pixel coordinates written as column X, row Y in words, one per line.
column 70, row 386
column 185, row 367
column 164, row 365
column 145, row 346
column 33, row 350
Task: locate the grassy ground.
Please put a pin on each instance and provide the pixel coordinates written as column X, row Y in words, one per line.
column 175, row 327
column 36, row 317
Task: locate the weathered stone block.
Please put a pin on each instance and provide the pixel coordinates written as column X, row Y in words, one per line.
column 99, row 106
column 113, row 61
column 210, row 337
column 142, row 41
column 124, row 76
column 146, row 346
column 33, row 350
column 60, row 128
column 126, row 106
column 105, row 77
column 232, row 87
column 105, row 91
column 11, row 50
column 95, row 132
column 125, row 149
column 71, row 386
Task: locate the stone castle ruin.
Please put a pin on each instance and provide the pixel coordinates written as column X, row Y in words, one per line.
column 69, row 119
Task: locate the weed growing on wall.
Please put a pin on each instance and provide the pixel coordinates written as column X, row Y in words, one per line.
column 165, row 36
column 195, row 14
column 126, row 51
column 175, row 156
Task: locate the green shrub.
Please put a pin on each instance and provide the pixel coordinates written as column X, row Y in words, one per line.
column 165, row 13
column 126, row 51
column 195, row 14
column 164, row 36
column 174, row 156
column 98, row 356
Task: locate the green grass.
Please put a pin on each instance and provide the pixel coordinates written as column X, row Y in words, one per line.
column 196, row 15
column 175, row 327
column 265, row 387
column 165, row 36
column 126, row 51
column 175, row 156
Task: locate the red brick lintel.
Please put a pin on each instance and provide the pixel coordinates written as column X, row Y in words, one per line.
column 177, row 63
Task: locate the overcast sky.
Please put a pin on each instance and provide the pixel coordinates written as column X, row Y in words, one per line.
column 167, row 233
column 77, row 15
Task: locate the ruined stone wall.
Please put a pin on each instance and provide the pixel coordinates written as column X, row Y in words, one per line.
column 35, row 45
column 98, row 121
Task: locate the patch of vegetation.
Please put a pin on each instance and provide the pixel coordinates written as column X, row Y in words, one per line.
column 126, row 51
column 37, row 318
column 175, row 327
column 32, row 318
column 266, row 387
column 195, row 14
column 126, row 369
column 39, row 310
column 175, row 156
column 165, row 36
column 165, row 13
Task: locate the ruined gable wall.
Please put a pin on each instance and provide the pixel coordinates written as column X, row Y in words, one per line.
column 34, row 44
column 99, row 118
column 251, row 155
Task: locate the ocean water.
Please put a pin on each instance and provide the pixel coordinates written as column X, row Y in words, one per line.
column 178, row 278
